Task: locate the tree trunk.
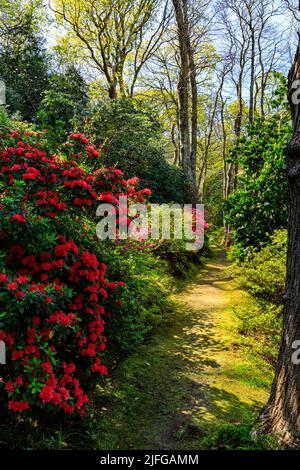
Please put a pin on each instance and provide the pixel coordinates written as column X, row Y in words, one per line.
column 112, row 91
column 282, row 413
column 183, row 87
column 226, row 177
column 252, row 79
column 194, row 117
column 184, row 128
column 203, row 170
column 174, row 142
column 238, row 121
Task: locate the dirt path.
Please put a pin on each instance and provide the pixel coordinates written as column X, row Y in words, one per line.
column 189, row 377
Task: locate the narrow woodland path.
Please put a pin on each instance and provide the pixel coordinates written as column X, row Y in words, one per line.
column 189, row 377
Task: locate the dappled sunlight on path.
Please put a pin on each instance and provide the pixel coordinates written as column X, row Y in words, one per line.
column 190, row 376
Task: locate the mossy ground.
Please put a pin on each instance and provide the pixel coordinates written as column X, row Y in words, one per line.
column 189, row 378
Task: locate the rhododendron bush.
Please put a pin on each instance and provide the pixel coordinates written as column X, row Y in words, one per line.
column 55, row 295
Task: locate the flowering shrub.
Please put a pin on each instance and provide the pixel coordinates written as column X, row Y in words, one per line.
column 54, row 292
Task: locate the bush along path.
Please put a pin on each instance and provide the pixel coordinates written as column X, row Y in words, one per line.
column 191, row 385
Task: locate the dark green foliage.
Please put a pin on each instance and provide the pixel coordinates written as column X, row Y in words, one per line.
column 259, row 206
column 24, row 69
column 133, row 139
column 64, row 104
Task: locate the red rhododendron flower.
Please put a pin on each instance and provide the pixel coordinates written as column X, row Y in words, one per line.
column 12, row 286
column 98, row 367
column 18, row 218
column 20, row 295
column 46, row 394
column 18, row 405
column 22, row 279
column 9, row 387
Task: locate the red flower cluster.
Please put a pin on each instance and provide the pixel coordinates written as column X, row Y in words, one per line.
column 53, row 287
column 18, row 218
column 18, row 405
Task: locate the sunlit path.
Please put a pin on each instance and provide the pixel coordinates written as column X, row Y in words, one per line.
column 189, row 377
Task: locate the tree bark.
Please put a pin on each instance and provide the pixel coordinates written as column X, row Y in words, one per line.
column 174, row 142
column 227, row 176
column 194, row 116
column 183, row 87
column 282, row 413
column 112, row 91
column 252, row 79
column 203, row 170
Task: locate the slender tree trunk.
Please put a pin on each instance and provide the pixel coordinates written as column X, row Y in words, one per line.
column 203, row 170
column 202, row 175
column 239, row 115
column 226, row 176
column 262, row 98
column 194, row 117
column 224, row 154
column 282, row 413
column 184, row 128
column 238, row 119
column 174, row 142
column 183, row 87
column 252, row 79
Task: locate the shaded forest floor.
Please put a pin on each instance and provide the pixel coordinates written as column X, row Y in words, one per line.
column 187, row 379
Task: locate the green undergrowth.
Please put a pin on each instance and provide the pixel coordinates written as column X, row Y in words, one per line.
column 262, row 276
column 232, row 437
column 189, row 385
